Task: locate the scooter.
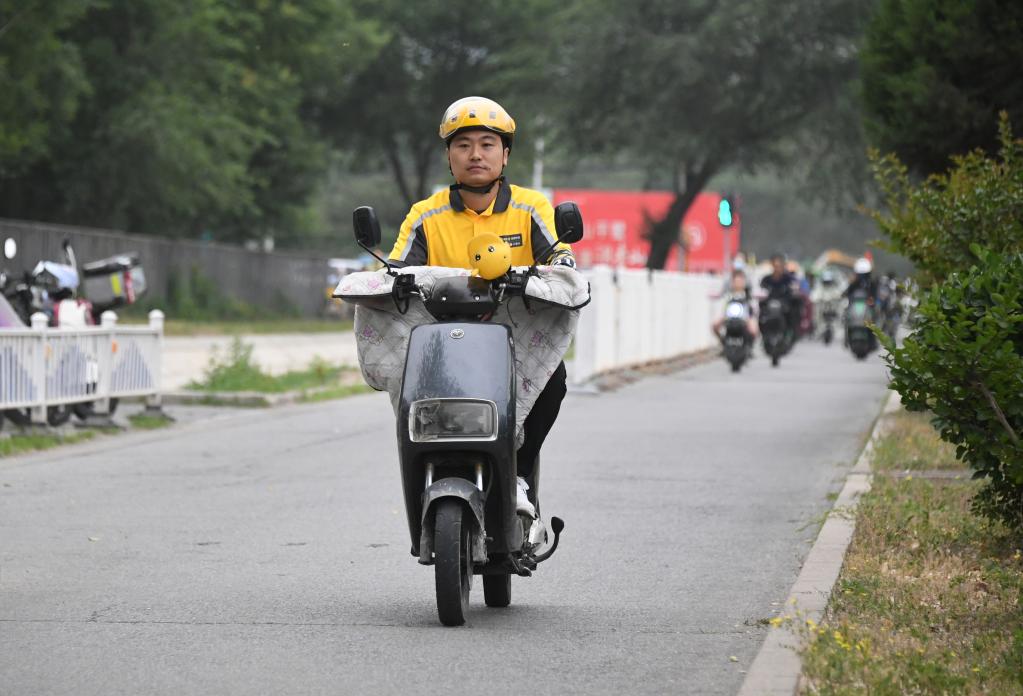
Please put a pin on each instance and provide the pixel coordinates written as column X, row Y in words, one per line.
column 774, row 329
column 859, row 315
column 456, row 425
column 738, row 343
column 828, row 314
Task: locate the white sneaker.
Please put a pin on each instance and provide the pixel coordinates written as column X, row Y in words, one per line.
column 522, row 504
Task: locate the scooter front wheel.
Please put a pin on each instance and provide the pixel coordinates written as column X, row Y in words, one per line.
column 452, row 565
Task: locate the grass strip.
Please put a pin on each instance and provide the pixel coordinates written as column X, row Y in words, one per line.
column 18, row 444
column 928, row 600
column 238, row 372
column 146, row 421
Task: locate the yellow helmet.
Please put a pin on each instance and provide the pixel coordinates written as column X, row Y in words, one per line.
column 489, row 256
column 477, row 112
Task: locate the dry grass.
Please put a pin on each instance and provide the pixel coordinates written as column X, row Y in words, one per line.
column 928, row 601
column 915, row 447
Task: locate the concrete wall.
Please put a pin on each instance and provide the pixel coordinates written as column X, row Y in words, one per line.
column 273, row 280
column 638, row 316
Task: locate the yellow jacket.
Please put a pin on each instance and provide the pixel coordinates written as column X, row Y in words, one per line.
column 437, row 231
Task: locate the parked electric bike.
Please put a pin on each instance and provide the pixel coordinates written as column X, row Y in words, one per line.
column 738, row 343
column 859, row 316
column 456, row 427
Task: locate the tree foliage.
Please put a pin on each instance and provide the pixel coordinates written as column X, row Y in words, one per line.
column 699, row 86
column 964, row 360
column 964, row 364
column 936, row 73
column 184, row 117
column 938, row 223
column 389, row 110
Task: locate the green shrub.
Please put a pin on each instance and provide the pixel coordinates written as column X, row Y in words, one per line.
column 936, row 223
column 964, row 363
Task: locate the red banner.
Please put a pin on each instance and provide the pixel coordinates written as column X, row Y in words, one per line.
column 617, row 224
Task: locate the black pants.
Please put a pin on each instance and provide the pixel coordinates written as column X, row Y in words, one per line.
column 540, row 420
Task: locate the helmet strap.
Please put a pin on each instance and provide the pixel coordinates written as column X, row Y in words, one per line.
column 486, row 188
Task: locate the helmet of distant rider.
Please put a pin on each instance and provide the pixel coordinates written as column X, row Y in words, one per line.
column 863, row 266
column 477, row 113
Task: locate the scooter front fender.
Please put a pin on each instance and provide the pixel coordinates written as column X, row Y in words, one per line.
column 470, row 496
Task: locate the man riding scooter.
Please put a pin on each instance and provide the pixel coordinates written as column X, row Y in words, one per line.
column 478, row 134
column 782, row 285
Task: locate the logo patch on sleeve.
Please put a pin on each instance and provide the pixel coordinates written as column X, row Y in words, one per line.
column 514, row 240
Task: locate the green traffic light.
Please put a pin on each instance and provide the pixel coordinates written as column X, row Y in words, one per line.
column 725, row 213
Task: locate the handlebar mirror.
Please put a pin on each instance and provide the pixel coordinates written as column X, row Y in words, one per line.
column 367, row 227
column 568, row 222
column 10, row 248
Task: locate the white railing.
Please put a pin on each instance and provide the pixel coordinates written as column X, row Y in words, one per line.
column 638, row 317
column 42, row 366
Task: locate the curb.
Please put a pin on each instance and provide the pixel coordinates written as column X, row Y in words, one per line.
column 777, row 669
column 618, row 377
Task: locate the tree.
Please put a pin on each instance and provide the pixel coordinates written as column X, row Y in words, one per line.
column 389, row 111
column 699, row 86
column 41, row 78
column 935, row 75
column 938, row 223
column 196, row 117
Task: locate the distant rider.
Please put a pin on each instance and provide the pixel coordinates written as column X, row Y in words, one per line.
column 782, row 285
column 738, row 291
column 478, row 134
column 826, row 295
column 863, row 282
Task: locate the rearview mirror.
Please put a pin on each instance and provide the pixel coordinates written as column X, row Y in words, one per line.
column 367, row 227
column 10, row 248
column 568, row 222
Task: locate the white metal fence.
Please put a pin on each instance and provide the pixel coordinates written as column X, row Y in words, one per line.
column 42, row 366
column 638, row 316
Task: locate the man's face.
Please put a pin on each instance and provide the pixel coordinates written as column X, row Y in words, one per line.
column 477, row 157
column 778, row 267
column 738, row 283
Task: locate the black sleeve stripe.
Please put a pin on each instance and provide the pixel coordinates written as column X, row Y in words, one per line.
column 418, row 253
column 539, row 243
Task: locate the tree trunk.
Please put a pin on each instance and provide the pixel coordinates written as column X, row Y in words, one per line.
column 398, row 169
column 665, row 232
column 424, row 158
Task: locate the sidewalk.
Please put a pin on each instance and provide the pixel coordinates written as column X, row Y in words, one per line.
column 186, row 357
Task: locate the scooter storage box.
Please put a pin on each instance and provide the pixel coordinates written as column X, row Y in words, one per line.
column 115, row 281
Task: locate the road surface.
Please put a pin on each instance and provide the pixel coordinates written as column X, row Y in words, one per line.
column 265, row 551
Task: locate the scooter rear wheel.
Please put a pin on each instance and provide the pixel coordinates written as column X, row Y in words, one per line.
column 452, row 565
column 497, row 590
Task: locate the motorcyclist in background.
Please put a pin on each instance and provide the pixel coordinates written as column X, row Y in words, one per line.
column 826, row 294
column 782, row 285
column 478, row 134
column 863, row 281
column 738, row 290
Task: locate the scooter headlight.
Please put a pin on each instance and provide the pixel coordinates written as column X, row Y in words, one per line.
column 735, row 310
column 452, row 419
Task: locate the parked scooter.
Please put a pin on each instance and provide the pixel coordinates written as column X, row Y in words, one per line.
column 738, row 343
column 19, row 299
column 456, row 415
column 858, row 317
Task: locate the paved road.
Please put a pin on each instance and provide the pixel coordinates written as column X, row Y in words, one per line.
column 266, row 552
